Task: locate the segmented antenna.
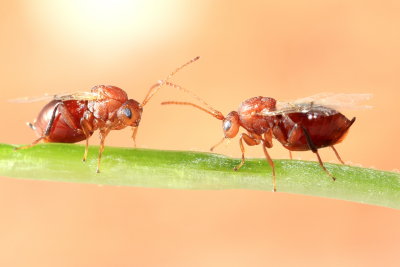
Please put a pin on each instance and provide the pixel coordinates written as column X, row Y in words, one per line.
column 154, row 89
column 214, row 113
column 217, row 144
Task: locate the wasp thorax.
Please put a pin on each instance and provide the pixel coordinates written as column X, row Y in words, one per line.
column 130, row 113
column 230, row 124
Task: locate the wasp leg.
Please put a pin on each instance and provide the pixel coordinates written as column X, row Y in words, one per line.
column 314, row 149
column 290, row 155
column 134, row 132
column 272, row 164
column 49, row 127
column 103, row 135
column 87, row 130
column 251, row 141
column 337, row 155
column 267, row 143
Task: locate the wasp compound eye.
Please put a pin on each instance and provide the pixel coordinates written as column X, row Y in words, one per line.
column 127, row 113
column 227, row 125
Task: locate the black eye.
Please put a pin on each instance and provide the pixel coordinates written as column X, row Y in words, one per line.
column 127, row 113
column 227, row 125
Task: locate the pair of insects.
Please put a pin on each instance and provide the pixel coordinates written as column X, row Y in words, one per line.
column 306, row 124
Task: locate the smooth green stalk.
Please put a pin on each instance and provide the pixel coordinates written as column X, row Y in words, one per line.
column 196, row 170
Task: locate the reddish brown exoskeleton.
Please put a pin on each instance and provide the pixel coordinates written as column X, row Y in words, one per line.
column 306, row 124
column 71, row 118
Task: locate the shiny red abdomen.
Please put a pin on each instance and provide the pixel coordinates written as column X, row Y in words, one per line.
column 324, row 129
column 61, row 132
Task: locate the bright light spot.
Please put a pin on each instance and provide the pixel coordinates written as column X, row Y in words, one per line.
column 106, row 26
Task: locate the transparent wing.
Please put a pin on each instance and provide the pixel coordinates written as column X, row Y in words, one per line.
column 79, row 96
column 329, row 103
column 338, row 101
column 63, row 97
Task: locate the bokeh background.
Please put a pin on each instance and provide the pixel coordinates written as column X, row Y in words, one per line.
column 283, row 49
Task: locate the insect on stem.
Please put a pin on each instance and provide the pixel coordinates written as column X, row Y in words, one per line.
column 74, row 117
column 299, row 125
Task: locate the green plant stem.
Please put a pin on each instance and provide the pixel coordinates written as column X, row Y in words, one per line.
column 196, row 170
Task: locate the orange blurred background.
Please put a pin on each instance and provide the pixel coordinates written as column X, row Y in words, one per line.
column 283, row 49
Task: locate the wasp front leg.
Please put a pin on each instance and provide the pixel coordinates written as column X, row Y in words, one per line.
column 250, row 140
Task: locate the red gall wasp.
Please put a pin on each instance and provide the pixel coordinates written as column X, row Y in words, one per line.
column 305, row 124
column 70, row 118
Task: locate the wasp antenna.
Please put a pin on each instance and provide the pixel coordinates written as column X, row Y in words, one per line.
column 214, row 113
column 193, row 95
column 181, row 67
column 217, row 144
column 154, row 89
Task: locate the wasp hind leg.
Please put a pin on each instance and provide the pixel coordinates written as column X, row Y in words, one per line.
column 314, row 149
column 337, row 155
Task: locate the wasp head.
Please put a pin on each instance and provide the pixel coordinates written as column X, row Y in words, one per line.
column 130, row 113
column 230, row 124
